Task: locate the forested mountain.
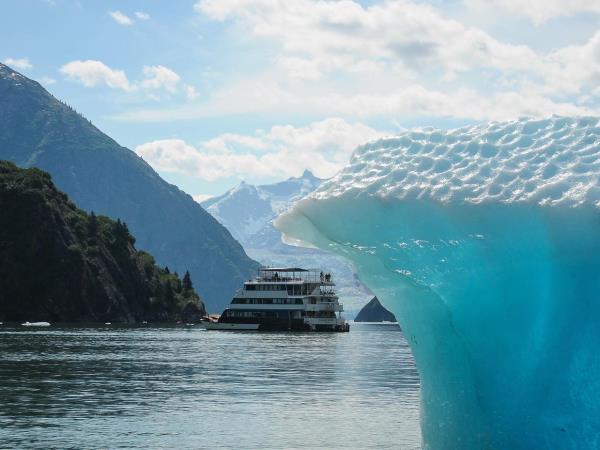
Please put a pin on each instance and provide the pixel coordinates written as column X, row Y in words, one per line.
column 60, row 264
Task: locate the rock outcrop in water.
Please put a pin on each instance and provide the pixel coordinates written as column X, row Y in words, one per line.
column 37, row 130
column 485, row 243
column 60, row 264
column 374, row 311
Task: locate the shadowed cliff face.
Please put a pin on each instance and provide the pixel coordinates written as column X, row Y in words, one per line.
column 57, row 263
column 36, row 130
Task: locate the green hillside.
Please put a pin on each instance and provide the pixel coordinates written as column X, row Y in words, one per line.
column 59, row 264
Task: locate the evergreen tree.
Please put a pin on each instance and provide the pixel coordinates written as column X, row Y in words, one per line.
column 187, row 281
column 169, row 295
column 92, row 225
column 167, row 271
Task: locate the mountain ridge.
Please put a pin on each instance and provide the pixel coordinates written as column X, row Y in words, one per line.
column 37, row 130
column 247, row 210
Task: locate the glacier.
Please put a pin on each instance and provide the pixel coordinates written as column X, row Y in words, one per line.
column 484, row 241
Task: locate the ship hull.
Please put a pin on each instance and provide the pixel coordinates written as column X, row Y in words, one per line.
column 230, row 326
column 270, row 325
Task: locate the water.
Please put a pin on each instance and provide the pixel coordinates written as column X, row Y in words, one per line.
column 109, row 386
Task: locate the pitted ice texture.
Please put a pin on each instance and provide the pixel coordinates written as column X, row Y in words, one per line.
column 549, row 162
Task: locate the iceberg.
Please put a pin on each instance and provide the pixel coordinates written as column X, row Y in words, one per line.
column 484, row 241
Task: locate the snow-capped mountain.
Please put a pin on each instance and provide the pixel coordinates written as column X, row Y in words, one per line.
column 248, row 211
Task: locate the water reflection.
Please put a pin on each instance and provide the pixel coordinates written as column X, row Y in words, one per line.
column 181, row 386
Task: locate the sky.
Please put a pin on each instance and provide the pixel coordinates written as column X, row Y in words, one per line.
column 212, row 92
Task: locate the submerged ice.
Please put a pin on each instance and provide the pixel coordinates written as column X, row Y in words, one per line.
column 485, row 243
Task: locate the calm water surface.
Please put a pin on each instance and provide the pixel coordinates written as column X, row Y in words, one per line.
column 109, row 386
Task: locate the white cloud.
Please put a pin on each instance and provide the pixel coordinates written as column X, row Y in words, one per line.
column 380, row 100
column 391, row 60
column 47, row 81
column 120, row 18
column 539, row 11
column 399, row 57
column 142, row 15
column 283, row 151
column 321, row 37
column 575, row 68
column 158, row 77
column 191, row 93
column 92, row 73
column 18, row 63
column 199, row 198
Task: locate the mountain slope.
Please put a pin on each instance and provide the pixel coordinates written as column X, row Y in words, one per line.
column 100, row 175
column 58, row 263
column 248, row 212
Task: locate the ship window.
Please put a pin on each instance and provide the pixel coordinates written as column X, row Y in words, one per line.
column 250, row 287
column 299, row 301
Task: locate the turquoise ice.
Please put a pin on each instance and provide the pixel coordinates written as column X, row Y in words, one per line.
column 485, row 243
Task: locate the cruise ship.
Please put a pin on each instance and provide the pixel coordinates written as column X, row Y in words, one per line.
column 284, row 299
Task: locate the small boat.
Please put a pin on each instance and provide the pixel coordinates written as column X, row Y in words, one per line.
column 283, row 299
column 36, row 324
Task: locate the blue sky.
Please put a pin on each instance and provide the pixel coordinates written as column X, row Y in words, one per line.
column 210, row 92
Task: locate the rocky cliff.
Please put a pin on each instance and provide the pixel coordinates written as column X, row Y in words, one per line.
column 374, row 311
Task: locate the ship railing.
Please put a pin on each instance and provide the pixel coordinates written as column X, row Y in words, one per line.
column 321, row 276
